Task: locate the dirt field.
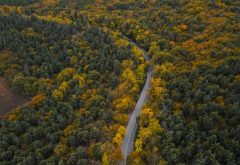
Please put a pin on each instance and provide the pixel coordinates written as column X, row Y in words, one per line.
column 8, row 99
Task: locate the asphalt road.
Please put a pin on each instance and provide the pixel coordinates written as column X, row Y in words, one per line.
column 128, row 141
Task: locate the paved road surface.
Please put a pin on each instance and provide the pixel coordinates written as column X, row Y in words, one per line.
column 128, row 141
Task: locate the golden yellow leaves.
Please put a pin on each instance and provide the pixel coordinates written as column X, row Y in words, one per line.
column 50, row 2
column 122, row 43
column 120, row 118
column 124, row 104
column 112, row 152
column 60, row 149
column 128, row 75
column 81, row 78
column 59, row 93
column 129, row 80
column 183, row 27
column 220, row 100
column 138, row 53
column 105, row 159
column 63, row 87
column 68, row 130
column 13, row 115
column 157, row 89
column 164, row 68
column 180, row 28
column 195, row 7
column 37, row 100
column 58, row 18
column 139, row 142
column 7, row 9
column 141, row 73
column 149, row 126
column 88, row 94
column 63, row 78
column 127, row 64
column 147, row 113
column 154, row 49
column 118, row 139
column 140, row 33
column 65, row 74
column 111, row 155
column 217, row 22
column 237, row 78
column 190, row 45
column 124, row 101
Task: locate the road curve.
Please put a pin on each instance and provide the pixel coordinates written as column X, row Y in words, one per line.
column 128, row 140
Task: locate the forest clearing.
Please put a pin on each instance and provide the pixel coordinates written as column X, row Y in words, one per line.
column 8, row 99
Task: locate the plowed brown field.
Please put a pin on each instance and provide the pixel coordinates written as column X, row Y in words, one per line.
column 8, row 99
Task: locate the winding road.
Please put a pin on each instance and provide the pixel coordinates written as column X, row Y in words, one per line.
column 128, row 140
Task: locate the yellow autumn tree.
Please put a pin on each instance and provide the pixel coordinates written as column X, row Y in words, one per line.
column 131, row 79
column 141, row 73
column 138, row 53
column 59, row 93
column 121, row 118
column 149, row 127
column 117, row 140
column 37, row 99
column 81, row 78
column 154, row 49
column 124, row 104
column 158, row 88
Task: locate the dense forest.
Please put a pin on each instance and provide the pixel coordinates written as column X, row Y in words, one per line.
column 77, row 62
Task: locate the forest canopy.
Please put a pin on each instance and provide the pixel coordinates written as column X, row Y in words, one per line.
column 77, row 62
